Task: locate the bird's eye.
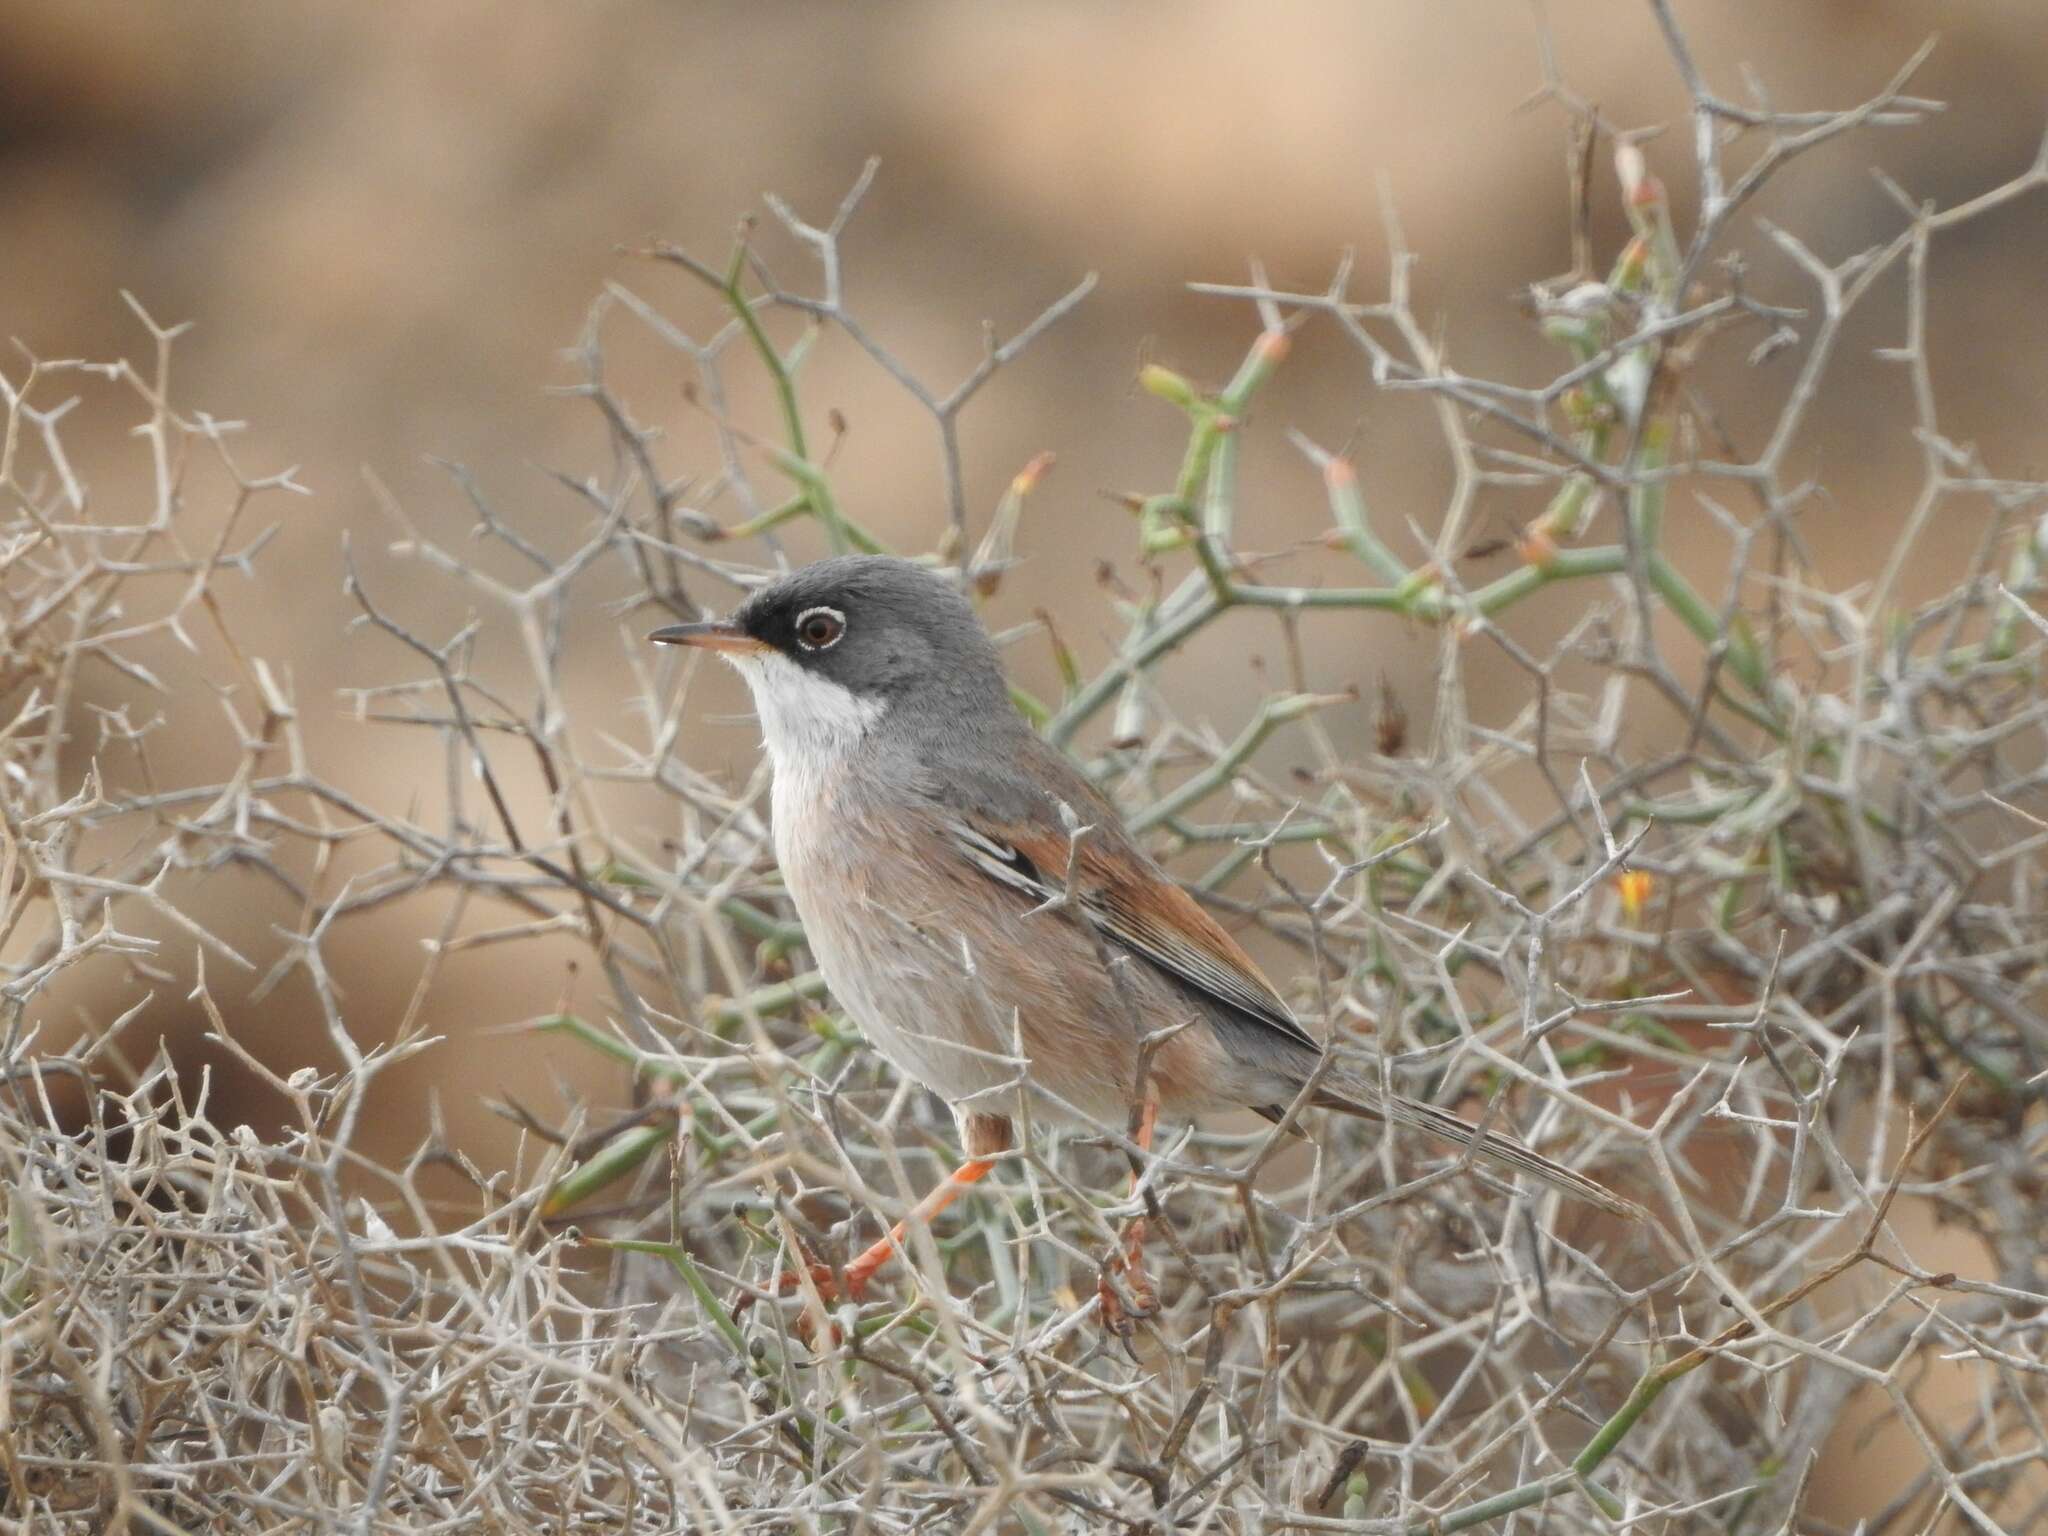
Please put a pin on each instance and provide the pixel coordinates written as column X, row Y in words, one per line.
column 819, row 629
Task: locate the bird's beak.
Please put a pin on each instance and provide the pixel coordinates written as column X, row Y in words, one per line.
column 719, row 635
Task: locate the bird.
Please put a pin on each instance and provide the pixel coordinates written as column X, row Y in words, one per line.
column 966, row 890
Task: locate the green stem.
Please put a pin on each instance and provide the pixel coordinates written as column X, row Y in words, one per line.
column 679, row 1259
column 1030, row 706
column 1501, row 1504
column 1565, row 565
column 840, row 530
column 1215, row 424
column 771, row 359
column 1242, row 831
column 723, row 1018
column 610, row 1163
column 1388, row 598
column 1149, row 647
column 1225, row 869
column 1347, row 508
column 1697, row 616
column 1219, row 501
column 1272, row 714
column 1597, row 1450
column 756, row 924
column 633, row 1146
column 1611, row 1434
column 1646, row 495
column 774, row 517
column 795, row 460
column 1429, row 601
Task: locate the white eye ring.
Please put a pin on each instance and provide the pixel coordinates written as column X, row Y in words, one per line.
column 838, row 628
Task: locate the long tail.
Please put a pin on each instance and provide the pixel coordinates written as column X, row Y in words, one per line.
column 1495, row 1148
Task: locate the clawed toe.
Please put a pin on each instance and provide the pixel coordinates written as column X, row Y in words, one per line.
column 1121, row 1312
column 823, row 1278
column 1125, row 1289
column 826, row 1283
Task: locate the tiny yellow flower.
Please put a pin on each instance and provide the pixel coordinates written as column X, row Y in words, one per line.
column 1634, row 886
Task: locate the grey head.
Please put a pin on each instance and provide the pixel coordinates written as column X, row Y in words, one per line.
column 833, row 649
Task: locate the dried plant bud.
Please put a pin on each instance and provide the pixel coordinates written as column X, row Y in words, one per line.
column 998, row 545
column 1634, row 265
column 1133, row 718
column 1027, row 478
column 1390, row 720
column 1630, row 168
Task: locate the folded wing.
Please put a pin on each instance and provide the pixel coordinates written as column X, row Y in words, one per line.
column 1130, row 899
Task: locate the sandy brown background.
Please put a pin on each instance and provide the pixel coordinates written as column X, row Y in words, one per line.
column 386, row 220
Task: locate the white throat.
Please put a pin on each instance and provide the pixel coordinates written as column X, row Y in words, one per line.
column 807, row 721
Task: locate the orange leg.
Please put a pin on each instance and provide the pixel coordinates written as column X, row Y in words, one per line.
column 984, row 1136
column 1131, row 1262
column 862, row 1269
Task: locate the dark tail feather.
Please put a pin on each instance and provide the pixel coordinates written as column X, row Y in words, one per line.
column 1493, row 1147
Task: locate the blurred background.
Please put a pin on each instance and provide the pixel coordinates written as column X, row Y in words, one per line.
column 385, row 223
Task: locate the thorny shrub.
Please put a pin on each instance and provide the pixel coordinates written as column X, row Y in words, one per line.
column 1767, row 958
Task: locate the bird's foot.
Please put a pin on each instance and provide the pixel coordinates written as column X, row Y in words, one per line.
column 1125, row 1286
column 827, row 1283
column 833, row 1287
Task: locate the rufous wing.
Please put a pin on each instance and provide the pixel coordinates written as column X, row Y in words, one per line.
column 1133, row 902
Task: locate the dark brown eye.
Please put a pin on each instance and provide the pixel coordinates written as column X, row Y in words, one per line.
column 819, row 629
